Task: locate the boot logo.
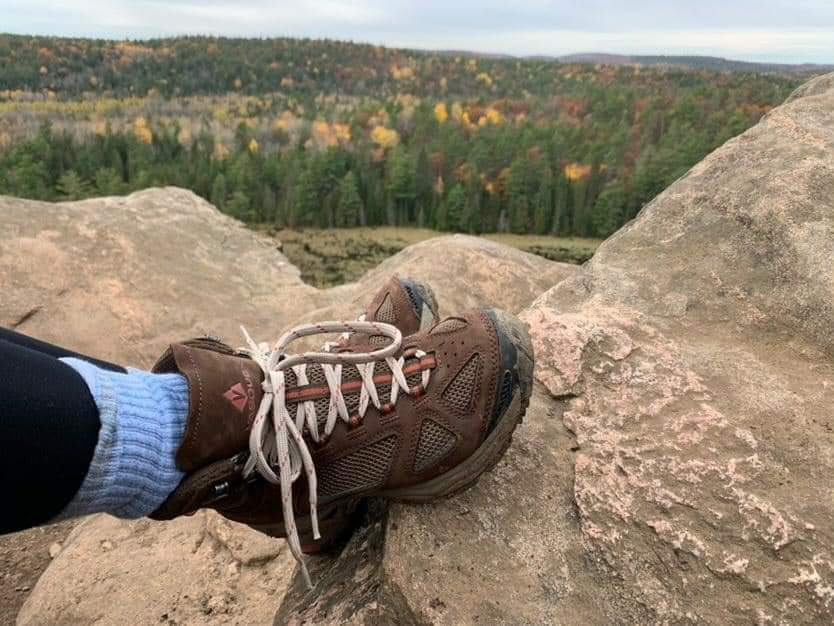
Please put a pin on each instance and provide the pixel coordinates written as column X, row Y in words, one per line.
column 237, row 396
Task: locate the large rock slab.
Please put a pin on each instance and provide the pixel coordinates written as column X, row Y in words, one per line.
column 119, row 277
column 692, row 358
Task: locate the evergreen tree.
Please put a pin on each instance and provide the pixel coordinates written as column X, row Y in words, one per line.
column 219, row 192
column 306, row 205
column 350, row 204
column 72, row 187
column 401, row 186
column 240, row 206
column 518, row 205
column 609, row 210
column 452, row 210
column 543, row 212
column 108, row 182
column 423, row 189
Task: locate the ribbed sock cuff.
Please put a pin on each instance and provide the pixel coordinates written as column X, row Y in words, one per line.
column 143, row 419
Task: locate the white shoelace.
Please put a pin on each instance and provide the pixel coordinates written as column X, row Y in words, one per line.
column 279, row 440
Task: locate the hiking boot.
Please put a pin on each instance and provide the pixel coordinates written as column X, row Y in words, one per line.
column 410, row 420
column 406, row 303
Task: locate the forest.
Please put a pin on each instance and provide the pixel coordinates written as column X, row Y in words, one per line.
column 300, row 133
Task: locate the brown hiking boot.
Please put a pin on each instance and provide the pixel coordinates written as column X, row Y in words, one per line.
column 404, row 302
column 411, row 420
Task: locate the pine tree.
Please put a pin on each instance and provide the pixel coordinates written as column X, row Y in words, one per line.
column 349, row 205
column 609, row 211
column 72, row 187
column 269, row 206
column 453, row 209
column 518, row 204
column 306, row 205
column 423, row 189
column 240, row 206
column 108, row 182
column 219, row 192
column 543, row 212
column 401, row 186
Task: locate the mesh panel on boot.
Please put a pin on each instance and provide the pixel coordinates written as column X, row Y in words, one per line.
column 448, row 326
column 458, row 393
column 385, row 312
column 436, row 441
column 363, row 469
column 379, row 340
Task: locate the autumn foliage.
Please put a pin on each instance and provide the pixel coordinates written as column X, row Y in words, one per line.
column 325, row 133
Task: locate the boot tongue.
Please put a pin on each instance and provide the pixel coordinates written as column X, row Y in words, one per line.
column 224, row 395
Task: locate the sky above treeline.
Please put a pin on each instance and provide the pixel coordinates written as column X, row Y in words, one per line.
column 782, row 31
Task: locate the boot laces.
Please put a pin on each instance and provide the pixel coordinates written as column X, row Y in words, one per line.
column 276, row 438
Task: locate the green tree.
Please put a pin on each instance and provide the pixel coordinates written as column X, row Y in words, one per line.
column 109, row 182
column 349, row 206
column 609, row 211
column 240, row 206
column 518, row 204
column 401, row 186
column 449, row 216
column 219, row 192
column 72, row 187
column 543, row 211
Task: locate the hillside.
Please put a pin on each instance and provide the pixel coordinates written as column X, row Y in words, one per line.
column 717, row 64
column 324, row 133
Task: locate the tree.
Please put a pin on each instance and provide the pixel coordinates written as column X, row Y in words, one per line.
column 240, row 206
column 306, row 203
column 543, row 210
column 349, row 206
column 219, row 192
column 518, row 204
column 109, row 182
column 424, row 194
column 609, row 211
column 452, row 209
column 72, row 187
column 401, row 186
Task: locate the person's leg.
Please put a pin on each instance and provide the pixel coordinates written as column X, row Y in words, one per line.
column 78, row 435
column 49, row 426
column 52, row 350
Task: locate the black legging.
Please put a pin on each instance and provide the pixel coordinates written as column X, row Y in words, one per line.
column 48, row 430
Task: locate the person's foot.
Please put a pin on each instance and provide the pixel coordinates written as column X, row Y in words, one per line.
column 411, row 421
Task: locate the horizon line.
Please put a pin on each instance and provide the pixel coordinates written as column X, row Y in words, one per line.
column 495, row 54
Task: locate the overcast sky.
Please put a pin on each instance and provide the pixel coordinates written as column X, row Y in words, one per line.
column 758, row 30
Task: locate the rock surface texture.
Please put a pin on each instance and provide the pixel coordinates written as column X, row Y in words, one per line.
column 676, row 464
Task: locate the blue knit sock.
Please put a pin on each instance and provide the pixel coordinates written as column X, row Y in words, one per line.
column 142, row 423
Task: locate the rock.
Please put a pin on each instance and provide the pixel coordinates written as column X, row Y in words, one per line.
column 178, row 572
column 119, row 278
column 692, row 358
column 54, row 550
column 676, row 462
